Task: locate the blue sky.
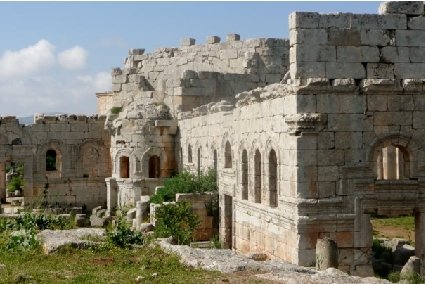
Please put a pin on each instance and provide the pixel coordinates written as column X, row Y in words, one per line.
column 54, row 56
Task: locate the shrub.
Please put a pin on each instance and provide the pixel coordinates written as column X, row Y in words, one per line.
column 116, row 110
column 22, row 240
column 177, row 221
column 185, row 182
column 15, row 183
column 122, row 236
column 29, row 221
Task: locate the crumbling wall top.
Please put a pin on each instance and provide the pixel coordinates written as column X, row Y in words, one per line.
column 40, row 118
column 410, row 8
column 359, row 46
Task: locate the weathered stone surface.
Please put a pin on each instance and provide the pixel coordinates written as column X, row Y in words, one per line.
column 54, row 240
column 412, row 8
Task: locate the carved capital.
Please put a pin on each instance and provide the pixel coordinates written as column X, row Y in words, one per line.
column 305, row 122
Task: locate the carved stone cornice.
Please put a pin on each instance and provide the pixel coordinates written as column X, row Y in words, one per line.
column 305, row 123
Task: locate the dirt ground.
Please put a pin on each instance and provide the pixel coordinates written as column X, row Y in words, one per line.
column 392, row 231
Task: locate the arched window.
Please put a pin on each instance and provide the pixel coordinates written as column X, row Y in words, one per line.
column 257, row 177
column 227, row 155
column 272, row 178
column 154, row 167
column 189, row 154
column 124, row 167
column 393, row 163
column 51, row 160
column 244, row 175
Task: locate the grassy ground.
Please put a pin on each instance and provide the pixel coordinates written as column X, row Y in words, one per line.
column 398, row 227
column 108, row 266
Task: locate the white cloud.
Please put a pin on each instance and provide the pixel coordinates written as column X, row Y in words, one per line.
column 73, row 58
column 100, row 82
column 37, row 79
column 26, row 61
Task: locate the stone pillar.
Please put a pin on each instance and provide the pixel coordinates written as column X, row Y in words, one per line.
column 390, row 162
column 2, row 181
column 138, row 215
column 112, row 195
column 326, row 254
column 420, row 239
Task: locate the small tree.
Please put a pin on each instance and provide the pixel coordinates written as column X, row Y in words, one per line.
column 176, row 220
column 186, row 182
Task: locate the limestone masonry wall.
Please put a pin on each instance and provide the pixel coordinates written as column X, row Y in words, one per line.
column 358, row 46
column 81, row 153
column 192, row 75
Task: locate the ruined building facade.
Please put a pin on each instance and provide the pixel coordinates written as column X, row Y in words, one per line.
column 309, row 136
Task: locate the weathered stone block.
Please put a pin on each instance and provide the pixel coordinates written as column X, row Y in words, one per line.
column 340, row 20
column 308, row 36
column 344, row 37
column 120, row 79
column 409, row 70
column 393, row 54
column 308, row 53
column 304, row 20
column 348, row 122
column 233, row 37
column 400, row 102
column 377, row 103
column 410, row 38
column 412, row 8
column 392, row 118
column 344, row 70
column 416, row 23
column 308, row 70
column 393, row 22
column 327, row 173
column 188, row 41
column 116, row 87
column 380, row 71
column 375, row 37
column 357, row 54
column 346, row 140
column 418, row 120
column 213, row 39
column 417, row 54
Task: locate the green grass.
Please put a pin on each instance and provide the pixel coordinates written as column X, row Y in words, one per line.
column 405, row 222
column 112, row 265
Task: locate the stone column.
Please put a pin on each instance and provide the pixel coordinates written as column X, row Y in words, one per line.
column 2, row 181
column 138, row 215
column 326, row 254
column 420, row 239
column 390, row 162
column 112, row 195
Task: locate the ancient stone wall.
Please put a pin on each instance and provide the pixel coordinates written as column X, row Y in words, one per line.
column 255, row 128
column 81, row 153
column 346, row 129
column 193, row 75
column 359, row 46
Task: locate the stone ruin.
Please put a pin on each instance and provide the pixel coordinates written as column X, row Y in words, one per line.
column 309, row 136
